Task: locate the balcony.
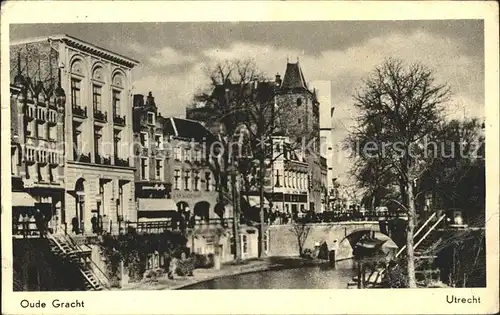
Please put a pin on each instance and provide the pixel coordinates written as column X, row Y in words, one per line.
column 119, row 121
column 79, row 112
column 100, row 116
column 84, row 158
column 121, row 162
column 102, row 160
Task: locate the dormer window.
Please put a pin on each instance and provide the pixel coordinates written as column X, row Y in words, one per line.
column 151, row 118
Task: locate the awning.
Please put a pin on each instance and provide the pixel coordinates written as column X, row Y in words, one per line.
column 22, row 199
column 154, row 204
column 254, row 201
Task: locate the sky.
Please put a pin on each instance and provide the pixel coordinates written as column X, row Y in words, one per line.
column 173, row 56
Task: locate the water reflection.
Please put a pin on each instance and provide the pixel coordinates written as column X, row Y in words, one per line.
column 320, row 277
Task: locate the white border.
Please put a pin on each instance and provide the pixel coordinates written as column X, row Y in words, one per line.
column 422, row 301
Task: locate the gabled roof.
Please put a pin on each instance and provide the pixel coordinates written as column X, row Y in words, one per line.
column 187, row 129
column 294, row 78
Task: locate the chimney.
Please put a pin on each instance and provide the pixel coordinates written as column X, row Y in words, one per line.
column 151, row 99
column 138, row 100
column 278, row 79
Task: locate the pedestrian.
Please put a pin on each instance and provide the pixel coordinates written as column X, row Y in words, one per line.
column 74, row 224
column 93, row 222
column 40, row 223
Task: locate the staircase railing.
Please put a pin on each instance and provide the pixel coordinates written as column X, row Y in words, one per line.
column 429, row 231
column 441, row 218
column 73, row 244
column 417, row 233
column 88, row 260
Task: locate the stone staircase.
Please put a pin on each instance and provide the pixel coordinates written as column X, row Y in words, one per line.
column 64, row 247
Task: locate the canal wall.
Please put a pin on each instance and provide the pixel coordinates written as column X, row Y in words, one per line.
column 283, row 239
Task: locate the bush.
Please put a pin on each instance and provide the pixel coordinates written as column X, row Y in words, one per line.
column 203, row 261
column 185, row 267
column 307, row 254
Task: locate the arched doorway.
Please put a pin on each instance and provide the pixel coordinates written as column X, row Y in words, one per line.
column 78, row 220
column 202, row 210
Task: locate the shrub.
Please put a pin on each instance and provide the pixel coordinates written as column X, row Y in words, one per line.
column 185, row 267
column 203, row 261
column 307, row 254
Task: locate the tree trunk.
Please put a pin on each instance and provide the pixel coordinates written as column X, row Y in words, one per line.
column 236, row 215
column 410, row 256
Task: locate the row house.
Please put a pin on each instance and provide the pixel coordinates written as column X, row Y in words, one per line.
column 37, row 122
column 97, row 129
column 174, row 170
column 290, row 178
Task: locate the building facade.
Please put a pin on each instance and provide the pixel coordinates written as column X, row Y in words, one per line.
column 296, row 111
column 152, row 184
column 37, row 129
column 190, row 168
column 290, row 180
column 98, row 169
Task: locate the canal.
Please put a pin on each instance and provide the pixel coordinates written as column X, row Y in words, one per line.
column 317, row 277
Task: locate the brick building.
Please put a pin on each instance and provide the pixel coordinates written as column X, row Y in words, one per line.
column 174, row 171
column 98, row 171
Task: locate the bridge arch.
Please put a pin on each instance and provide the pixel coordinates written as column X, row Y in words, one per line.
column 347, row 244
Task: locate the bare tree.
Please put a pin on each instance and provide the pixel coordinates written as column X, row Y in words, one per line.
column 301, row 231
column 244, row 102
column 399, row 107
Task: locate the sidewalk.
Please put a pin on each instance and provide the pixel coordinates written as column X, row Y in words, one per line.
column 228, row 269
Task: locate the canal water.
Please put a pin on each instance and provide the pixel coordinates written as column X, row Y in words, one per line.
column 318, row 277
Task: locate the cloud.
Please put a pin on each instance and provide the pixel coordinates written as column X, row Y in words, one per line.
column 167, row 56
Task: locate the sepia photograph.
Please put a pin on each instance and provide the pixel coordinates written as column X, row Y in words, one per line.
column 257, row 155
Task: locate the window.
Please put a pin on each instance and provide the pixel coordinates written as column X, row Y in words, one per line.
column 75, row 92
column 196, row 180
column 159, row 169
column 244, row 244
column 299, row 120
column 42, row 173
column 187, row 154
column 151, row 118
column 207, row 181
column 299, row 101
column 116, row 143
column 144, row 168
column 116, row 103
column 177, row 153
column 176, row 179
column 30, row 128
column 40, row 131
column 187, row 177
column 52, row 133
column 144, row 140
column 96, row 100
column 97, row 140
column 53, row 174
column 159, row 141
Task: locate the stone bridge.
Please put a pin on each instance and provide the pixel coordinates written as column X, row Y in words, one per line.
column 283, row 238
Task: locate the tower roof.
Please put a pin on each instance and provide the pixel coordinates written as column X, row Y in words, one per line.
column 294, row 78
